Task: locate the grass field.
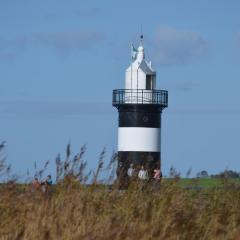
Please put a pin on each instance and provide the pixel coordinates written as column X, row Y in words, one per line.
column 188, row 183
column 175, row 209
column 202, row 182
column 74, row 211
column 180, row 209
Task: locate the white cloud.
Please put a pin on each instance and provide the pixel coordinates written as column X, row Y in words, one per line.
column 69, row 42
column 175, row 46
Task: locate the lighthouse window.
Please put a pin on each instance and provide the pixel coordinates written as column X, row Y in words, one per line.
column 148, row 82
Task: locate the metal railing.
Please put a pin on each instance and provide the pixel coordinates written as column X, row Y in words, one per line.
column 140, row 96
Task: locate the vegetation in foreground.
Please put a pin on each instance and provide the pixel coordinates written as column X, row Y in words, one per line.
column 73, row 210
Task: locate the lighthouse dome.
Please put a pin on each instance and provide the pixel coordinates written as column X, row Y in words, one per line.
column 140, row 74
column 140, row 48
column 140, row 54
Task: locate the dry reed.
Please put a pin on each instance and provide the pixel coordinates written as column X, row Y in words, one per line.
column 76, row 210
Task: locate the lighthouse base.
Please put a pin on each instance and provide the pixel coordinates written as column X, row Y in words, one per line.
column 150, row 161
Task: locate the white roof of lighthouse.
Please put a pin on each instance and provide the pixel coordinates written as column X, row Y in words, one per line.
column 140, row 62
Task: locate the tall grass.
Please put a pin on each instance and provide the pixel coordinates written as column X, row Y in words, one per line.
column 76, row 210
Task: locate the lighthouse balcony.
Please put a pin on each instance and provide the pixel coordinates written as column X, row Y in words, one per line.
column 140, row 96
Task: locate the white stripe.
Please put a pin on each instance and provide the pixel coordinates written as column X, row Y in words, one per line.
column 139, row 139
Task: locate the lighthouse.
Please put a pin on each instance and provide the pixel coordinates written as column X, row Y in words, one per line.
column 140, row 106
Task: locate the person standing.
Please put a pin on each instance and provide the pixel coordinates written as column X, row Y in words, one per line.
column 49, row 180
column 143, row 174
column 47, row 184
column 130, row 171
column 36, row 185
column 157, row 175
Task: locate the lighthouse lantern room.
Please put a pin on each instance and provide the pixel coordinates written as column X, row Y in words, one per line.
column 140, row 106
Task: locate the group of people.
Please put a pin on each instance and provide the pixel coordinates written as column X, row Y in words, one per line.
column 142, row 174
column 43, row 186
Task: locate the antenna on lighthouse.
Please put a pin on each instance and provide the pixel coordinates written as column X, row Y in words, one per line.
column 141, row 36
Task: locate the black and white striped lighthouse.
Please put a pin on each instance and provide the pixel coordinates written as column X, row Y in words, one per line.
column 140, row 106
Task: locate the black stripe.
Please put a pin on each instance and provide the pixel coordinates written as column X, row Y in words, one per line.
column 135, row 115
column 150, row 160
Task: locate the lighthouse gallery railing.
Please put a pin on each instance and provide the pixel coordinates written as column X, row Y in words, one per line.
column 140, row 96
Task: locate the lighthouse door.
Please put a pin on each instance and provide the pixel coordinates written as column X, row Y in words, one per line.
column 149, row 84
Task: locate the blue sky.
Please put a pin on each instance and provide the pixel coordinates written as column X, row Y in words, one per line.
column 60, row 61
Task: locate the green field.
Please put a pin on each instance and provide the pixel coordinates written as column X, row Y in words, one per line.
column 205, row 182
column 187, row 183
